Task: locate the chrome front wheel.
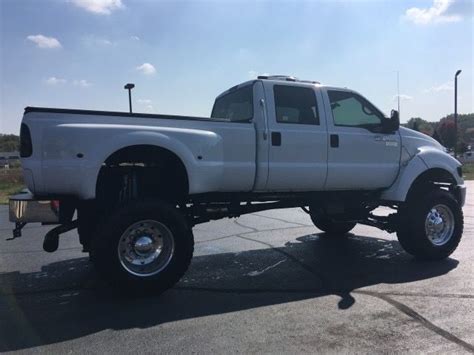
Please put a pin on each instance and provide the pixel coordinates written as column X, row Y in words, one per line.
column 439, row 225
column 431, row 225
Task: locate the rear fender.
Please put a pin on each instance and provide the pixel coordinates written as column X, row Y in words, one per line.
column 91, row 170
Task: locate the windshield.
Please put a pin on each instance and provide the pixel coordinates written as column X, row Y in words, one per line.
column 235, row 106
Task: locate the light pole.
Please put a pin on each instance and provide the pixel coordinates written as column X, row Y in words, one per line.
column 129, row 87
column 456, row 112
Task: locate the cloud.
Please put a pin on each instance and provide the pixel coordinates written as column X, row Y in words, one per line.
column 439, row 12
column 94, row 41
column 146, row 68
column 253, row 74
column 135, row 38
column 82, row 83
column 103, row 42
column 144, row 101
column 448, row 86
column 403, row 97
column 101, row 7
column 55, row 81
column 149, row 109
column 44, row 42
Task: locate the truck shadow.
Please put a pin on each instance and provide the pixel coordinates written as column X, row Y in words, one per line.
column 67, row 301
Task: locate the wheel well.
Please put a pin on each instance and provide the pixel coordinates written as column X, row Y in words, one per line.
column 429, row 179
column 142, row 171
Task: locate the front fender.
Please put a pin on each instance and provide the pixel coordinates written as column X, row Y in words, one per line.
column 408, row 173
column 410, row 170
column 434, row 158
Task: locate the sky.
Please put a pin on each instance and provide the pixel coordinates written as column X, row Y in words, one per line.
column 182, row 54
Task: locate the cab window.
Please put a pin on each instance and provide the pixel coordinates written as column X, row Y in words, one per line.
column 235, row 106
column 295, row 105
column 350, row 109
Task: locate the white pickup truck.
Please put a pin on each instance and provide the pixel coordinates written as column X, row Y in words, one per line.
column 140, row 182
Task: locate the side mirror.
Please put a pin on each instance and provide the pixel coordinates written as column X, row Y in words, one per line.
column 393, row 124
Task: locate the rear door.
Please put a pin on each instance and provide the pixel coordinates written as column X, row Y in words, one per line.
column 298, row 140
column 360, row 156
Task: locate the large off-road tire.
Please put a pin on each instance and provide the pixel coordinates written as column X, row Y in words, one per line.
column 88, row 219
column 331, row 227
column 144, row 246
column 431, row 225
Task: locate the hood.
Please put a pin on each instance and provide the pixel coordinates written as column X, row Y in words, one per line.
column 413, row 141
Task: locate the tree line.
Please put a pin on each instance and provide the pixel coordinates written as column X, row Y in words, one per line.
column 9, row 143
column 444, row 131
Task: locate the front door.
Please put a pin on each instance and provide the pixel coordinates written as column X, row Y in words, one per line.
column 360, row 156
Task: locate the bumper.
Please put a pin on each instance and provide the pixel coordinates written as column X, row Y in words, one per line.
column 24, row 208
column 460, row 191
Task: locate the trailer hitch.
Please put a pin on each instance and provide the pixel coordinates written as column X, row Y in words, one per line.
column 17, row 230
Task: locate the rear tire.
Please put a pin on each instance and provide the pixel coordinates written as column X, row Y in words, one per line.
column 431, row 225
column 87, row 217
column 144, row 246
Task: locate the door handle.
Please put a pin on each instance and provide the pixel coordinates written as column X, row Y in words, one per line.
column 265, row 119
column 276, row 139
column 334, row 140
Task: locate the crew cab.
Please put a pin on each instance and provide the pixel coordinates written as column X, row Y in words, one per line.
column 140, row 182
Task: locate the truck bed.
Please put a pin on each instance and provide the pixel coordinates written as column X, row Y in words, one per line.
column 125, row 114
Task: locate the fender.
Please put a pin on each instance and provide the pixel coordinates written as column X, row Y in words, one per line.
column 127, row 139
column 433, row 159
column 426, row 158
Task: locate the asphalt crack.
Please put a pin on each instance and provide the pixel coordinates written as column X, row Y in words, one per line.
column 283, row 220
column 420, row 319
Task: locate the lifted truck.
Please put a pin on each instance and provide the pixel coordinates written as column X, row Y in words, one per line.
column 140, row 182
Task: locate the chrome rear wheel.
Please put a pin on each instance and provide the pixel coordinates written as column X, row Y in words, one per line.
column 145, row 245
column 145, row 248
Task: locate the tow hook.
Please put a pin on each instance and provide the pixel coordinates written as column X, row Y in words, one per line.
column 17, row 231
column 51, row 239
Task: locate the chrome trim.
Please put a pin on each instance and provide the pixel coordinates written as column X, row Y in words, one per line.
column 439, row 225
column 26, row 208
column 146, row 248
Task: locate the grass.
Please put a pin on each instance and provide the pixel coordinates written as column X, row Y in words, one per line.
column 468, row 171
column 11, row 182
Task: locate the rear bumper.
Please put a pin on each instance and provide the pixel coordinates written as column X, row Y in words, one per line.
column 25, row 208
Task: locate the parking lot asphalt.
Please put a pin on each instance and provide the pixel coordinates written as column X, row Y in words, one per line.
column 266, row 282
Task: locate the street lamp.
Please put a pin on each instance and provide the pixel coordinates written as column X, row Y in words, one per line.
column 456, row 111
column 129, row 87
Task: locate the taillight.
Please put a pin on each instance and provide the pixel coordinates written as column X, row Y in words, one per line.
column 26, row 147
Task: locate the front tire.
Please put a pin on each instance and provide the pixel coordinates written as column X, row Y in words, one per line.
column 431, row 225
column 144, row 246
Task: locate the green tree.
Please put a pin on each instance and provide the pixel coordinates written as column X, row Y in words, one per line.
column 9, row 143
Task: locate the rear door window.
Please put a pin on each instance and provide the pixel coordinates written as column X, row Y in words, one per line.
column 235, row 106
column 295, row 105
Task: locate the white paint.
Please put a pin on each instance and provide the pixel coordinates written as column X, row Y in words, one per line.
column 257, row 273
column 234, row 157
